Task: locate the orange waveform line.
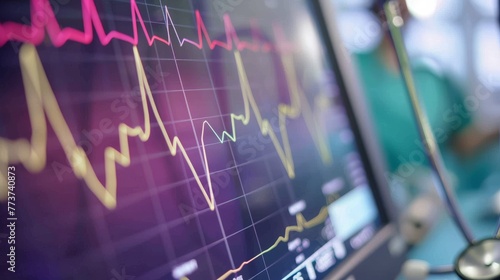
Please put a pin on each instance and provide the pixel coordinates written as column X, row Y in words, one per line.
column 43, row 108
column 301, row 225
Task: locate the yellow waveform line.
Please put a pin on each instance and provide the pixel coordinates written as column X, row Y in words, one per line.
column 43, row 108
column 299, row 104
column 302, row 224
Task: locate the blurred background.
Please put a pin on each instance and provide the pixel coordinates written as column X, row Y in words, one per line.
column 458, row 41
column 460, row 36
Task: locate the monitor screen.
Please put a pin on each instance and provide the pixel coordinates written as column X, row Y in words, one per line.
column 176, row 140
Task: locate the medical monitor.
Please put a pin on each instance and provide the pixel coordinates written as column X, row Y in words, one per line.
column 215, row 139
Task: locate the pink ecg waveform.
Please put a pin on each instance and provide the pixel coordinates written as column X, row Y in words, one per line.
column 44, row 22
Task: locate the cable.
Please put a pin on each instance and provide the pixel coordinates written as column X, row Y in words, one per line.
column 395, row 21
column 498, row 229
column 445, row 269
column 419, row 270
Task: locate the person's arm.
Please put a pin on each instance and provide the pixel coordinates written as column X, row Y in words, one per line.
column 471, row 140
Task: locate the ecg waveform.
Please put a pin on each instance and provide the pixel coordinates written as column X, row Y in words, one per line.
column 43, row 21
column 42, row 103
column 302, row 224
column 44, row 110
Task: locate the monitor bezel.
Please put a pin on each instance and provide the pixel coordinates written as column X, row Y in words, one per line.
column 386, row 244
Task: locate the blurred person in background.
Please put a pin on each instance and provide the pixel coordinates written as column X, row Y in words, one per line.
column 455, row 130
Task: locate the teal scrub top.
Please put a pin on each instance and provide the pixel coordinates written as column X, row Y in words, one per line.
column 392, row 113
